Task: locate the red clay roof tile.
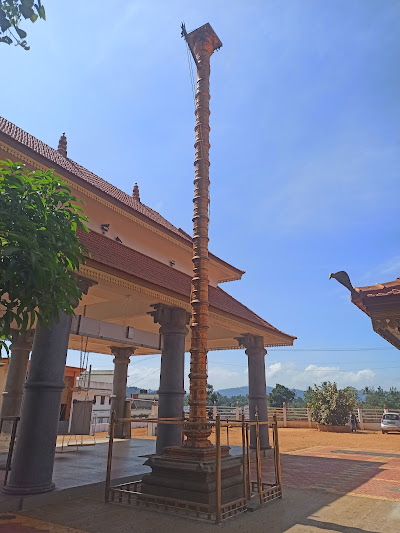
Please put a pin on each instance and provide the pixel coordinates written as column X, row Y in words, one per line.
column 11, row 131
column 110, row 253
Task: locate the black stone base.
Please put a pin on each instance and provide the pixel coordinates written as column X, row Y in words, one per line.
column 37, row 489
column 193, row 481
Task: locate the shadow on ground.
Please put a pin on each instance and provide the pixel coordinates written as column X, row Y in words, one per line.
column 316, row 498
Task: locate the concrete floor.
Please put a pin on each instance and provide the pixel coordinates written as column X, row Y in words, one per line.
column 83, row 468
column 325, row 489
column 299, row 511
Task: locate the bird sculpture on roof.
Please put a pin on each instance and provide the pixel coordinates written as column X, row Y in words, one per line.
column 343, row 278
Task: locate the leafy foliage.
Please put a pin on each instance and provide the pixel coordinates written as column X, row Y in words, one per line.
column 279, row 395
column 330, row 405
column 39, row 247
column 11, row 14
column 381, row 398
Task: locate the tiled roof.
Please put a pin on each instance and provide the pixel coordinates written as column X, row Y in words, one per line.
column 378, row 290
column 110, row 253
column 52, row 155
column 8, row 130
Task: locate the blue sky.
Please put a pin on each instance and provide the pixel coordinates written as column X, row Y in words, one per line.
column 305, row 115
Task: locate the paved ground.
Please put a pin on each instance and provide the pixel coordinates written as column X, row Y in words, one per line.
column 85, row 467
column 370, row 474
column 339, row 488
column 325, row 489
column 300, row 511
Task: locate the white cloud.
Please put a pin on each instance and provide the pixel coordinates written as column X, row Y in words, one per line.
column 287, row 373
column 291, row 376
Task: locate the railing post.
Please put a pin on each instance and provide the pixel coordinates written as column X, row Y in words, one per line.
column 258, row 460
column 237, row 411
column 215, row 411
column 248, row 459
column 309, row 417
column 277, row 456
column 360, row 417
column 385, row 410
column 109, row 457
column 246, row 496
column 218, row 514
column 284, row 412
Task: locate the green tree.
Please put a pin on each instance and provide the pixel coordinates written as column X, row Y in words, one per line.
column 212, row 396
column 12, row 12
column 308, row 396
column 381, row 398
column 374, row 398
column 393, row 398
column 39, row 247
column 280, row 394
column 331, row 405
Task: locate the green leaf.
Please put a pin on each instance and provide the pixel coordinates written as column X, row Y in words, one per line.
column 4, row 24
column 20, row 32
column 26, row 11
column 42, row 13
column 34, row 17
column 5, row 39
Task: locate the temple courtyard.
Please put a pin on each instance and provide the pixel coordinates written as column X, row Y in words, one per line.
column 332, row 482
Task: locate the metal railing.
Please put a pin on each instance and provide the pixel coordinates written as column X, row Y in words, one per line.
column 131, row 492
column 7, row 466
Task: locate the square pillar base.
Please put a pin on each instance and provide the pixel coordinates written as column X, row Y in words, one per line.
column 193, row 480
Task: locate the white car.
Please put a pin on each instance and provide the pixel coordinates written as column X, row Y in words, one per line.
column 390, row 422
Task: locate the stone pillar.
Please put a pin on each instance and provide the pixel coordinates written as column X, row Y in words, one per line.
column 121, row 362
column 255, row 352
column 16, row 376
column 173, row 322
column 33, row 461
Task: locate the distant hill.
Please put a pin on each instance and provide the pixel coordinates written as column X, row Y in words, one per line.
column 242, row 391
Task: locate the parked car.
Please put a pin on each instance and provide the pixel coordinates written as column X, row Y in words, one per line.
column 390, row 422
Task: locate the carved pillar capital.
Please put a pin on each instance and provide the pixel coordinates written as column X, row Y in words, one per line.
column 171, row 319
column 254, row 344
column 122, row 353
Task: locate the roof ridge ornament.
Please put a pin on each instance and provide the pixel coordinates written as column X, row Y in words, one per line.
column 62, row 145
column 135, row 192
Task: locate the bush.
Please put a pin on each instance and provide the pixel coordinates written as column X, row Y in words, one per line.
column 332, row 406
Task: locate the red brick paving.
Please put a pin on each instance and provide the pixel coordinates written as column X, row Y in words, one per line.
column 365, row 474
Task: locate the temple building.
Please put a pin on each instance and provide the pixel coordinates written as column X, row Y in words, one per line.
column 381, row 302
column 136, row 284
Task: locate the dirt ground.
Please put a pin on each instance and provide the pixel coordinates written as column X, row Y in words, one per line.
column 292, row 439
